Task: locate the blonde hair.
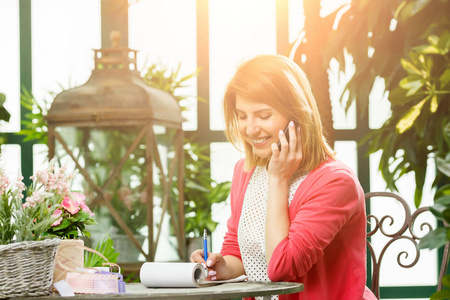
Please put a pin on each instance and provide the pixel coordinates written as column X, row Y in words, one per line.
column 279, row 82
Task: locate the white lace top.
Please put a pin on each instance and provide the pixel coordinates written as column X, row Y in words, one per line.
column 251, row 230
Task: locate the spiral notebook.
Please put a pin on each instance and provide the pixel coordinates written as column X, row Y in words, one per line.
column 178, row 275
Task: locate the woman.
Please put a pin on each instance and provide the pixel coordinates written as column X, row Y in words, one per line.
column 297, row 214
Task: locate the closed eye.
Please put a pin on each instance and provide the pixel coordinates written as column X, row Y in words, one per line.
column 240, row 115
column 265, row 117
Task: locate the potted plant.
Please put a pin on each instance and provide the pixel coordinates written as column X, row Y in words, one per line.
column 71, row 215
column 30, row 232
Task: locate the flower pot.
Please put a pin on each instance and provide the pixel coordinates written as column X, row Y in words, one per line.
column 70, row 255
column 26, row 268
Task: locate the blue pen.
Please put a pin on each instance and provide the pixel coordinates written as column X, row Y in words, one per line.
column 205, row 245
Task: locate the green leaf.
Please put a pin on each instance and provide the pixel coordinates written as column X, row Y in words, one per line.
column 434, row 104
column 4, row 114
column 104, row 246
column 408, row 118
column 441, row 204
column 445, row 77
column 410, row 68
column 442, row 193
column 444, row 43
column 443, row 199
column 64, row 224
column 421, row 122
column 433, row 39
column 412, row 84
column 410, row 8
column 427, row 49
column 443, row 166
column 434, row 239
column 438, row 209
column 446, row 281
column 418, row 194
column 440, row 295
column 446, row 217
column 398, row 96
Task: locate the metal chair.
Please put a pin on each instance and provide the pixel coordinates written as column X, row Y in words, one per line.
column 406, row 232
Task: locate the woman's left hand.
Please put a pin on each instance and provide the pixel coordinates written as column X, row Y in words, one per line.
column 285, row 162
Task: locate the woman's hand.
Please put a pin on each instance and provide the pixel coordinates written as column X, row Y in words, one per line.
column 216, row 264
column 219, row 267
column 284, row 163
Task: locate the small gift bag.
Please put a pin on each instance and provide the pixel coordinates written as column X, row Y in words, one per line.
column 99, row 282
column 93, row 280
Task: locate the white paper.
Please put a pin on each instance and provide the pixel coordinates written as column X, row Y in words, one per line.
column 154, row 274
column 64, row 289
column 212, row 282
column 166, row 275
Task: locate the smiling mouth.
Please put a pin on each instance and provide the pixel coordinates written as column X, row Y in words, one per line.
column 259, row 141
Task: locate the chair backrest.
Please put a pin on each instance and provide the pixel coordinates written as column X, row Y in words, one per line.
column 377, row 224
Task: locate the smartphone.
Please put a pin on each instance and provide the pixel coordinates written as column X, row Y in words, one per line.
column 286, row 133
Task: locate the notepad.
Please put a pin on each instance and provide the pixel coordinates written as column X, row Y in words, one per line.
column 166, row 275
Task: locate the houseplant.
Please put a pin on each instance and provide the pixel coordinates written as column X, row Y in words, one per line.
column 419, row 125
column 51, row 199
column 419, row 129
column 30, row 232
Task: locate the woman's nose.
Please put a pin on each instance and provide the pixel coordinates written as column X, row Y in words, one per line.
column 252, row 129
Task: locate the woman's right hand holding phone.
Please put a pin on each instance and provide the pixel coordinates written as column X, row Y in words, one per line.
column 286, row 156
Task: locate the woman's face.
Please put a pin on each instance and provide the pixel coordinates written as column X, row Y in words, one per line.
column 259, row 125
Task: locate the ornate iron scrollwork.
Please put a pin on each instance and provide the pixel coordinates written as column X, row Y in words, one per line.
column 406, row 232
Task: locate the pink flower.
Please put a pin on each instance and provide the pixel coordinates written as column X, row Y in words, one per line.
column 37, row 197
column 79, row 198
column 56, row 214
column 4, row 183
column 72, row 206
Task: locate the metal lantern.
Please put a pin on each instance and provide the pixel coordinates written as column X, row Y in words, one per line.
column 115, row 118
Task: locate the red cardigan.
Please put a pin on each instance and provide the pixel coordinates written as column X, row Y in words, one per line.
column 326, row 246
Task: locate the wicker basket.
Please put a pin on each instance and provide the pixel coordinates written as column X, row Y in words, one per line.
column 26, row 268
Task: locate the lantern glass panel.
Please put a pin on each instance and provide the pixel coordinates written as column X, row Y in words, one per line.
column 114, row 160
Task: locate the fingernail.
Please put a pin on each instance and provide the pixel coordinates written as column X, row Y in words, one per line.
column 209, row 263
column 213, row 278
column 211, row 273
column 281, row 132
column 204, row 266
column 291, row 123
column 298, row 128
